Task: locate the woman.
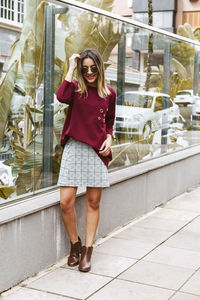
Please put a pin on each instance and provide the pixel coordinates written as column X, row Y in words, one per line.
column 87, row 139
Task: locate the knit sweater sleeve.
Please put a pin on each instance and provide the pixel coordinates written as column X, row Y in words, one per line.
column 65, row 93
column 110, row 116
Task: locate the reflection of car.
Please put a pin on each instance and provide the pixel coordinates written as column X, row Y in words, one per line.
column 196, row 113
column 6, row 177
column 185, row 97
column 144, row 112
column 190, row 109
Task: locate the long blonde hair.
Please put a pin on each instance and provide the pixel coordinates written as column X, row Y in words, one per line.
column 102, row 88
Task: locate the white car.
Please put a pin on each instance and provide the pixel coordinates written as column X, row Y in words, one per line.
column 185, row 97
column 144, row 113
column 196, row 113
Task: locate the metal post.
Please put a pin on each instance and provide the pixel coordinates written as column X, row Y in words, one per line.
column 121, row 69
column 121, row 76
column 166, row 87
column 48, row 96
column 196, row 73
column 195, row 82
column 48, row 112
column 166, row 71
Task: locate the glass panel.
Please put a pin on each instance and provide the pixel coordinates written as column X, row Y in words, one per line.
column 17, row 106
column 156, row 78
column 152, row 123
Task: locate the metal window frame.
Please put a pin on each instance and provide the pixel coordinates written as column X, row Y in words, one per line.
column 48, row 112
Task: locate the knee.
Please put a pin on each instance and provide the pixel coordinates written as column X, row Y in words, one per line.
column 93, row 203
column 66, row 205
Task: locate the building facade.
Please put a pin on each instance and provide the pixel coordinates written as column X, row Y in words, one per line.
column 188, row 11
column 169, row 14
column 11, row 21
column 123, row 8
column 164, row 13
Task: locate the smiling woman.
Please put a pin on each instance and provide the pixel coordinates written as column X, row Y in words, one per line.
column 87, row 139
column 90, row 72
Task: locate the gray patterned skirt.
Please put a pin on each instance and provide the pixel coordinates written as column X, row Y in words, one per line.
column 81, row 166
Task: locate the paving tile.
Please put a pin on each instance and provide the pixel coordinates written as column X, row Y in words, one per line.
column 193, row 285
column 194, row 226
column 185, row 240
column 169, row 213
column 191, row 195
column 175, row 257
column 161, row 224
column 125, row 290
column 108, row 265
column 160, row 275
column 127, row 248
column 188, row 195
column 188, row 203
column 29, row 294
column 70, row 283
column 184, row 296
column 195, row 190
column 148, row 235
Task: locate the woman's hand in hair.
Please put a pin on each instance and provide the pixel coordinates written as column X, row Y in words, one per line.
column 106, row 146
column 72, row 66
column 73, row 61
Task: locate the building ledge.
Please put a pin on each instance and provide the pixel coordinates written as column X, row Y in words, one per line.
column 10, row 25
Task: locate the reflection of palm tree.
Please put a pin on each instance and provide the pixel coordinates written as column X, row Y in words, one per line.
column 150, row 46
column 25, row 72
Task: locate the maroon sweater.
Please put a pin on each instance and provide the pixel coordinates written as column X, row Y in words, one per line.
column 88, row 120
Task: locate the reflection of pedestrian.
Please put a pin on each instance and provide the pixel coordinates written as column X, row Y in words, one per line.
column 87, row 139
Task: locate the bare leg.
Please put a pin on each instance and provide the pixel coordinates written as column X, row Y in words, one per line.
column 67, row 200
column 93, row 198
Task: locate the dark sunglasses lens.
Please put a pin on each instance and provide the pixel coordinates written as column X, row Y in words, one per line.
column 86, row 69
column 94, row 69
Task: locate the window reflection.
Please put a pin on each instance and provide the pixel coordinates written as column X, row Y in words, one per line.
column 166, row 113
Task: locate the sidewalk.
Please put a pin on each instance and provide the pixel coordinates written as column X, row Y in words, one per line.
column 156, row 257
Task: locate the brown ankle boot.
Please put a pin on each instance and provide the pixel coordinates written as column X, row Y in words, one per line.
column 73, row 259
column 85, row 263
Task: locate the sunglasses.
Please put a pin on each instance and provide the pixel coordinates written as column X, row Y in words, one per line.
column 85, row 70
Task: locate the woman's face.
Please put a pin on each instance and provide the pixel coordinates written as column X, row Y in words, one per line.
column 89, row 71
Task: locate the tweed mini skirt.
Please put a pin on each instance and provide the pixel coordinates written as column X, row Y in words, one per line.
column 81, row 166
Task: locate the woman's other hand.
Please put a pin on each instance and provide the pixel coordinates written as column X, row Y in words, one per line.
column 106, row 146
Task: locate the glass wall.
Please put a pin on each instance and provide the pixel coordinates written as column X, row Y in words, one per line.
column 156, row 78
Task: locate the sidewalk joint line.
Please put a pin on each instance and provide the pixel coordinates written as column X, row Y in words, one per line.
column 116, row 277
column 148, row 284
column 178, row 290
column 113, row 234
column 53, row 293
